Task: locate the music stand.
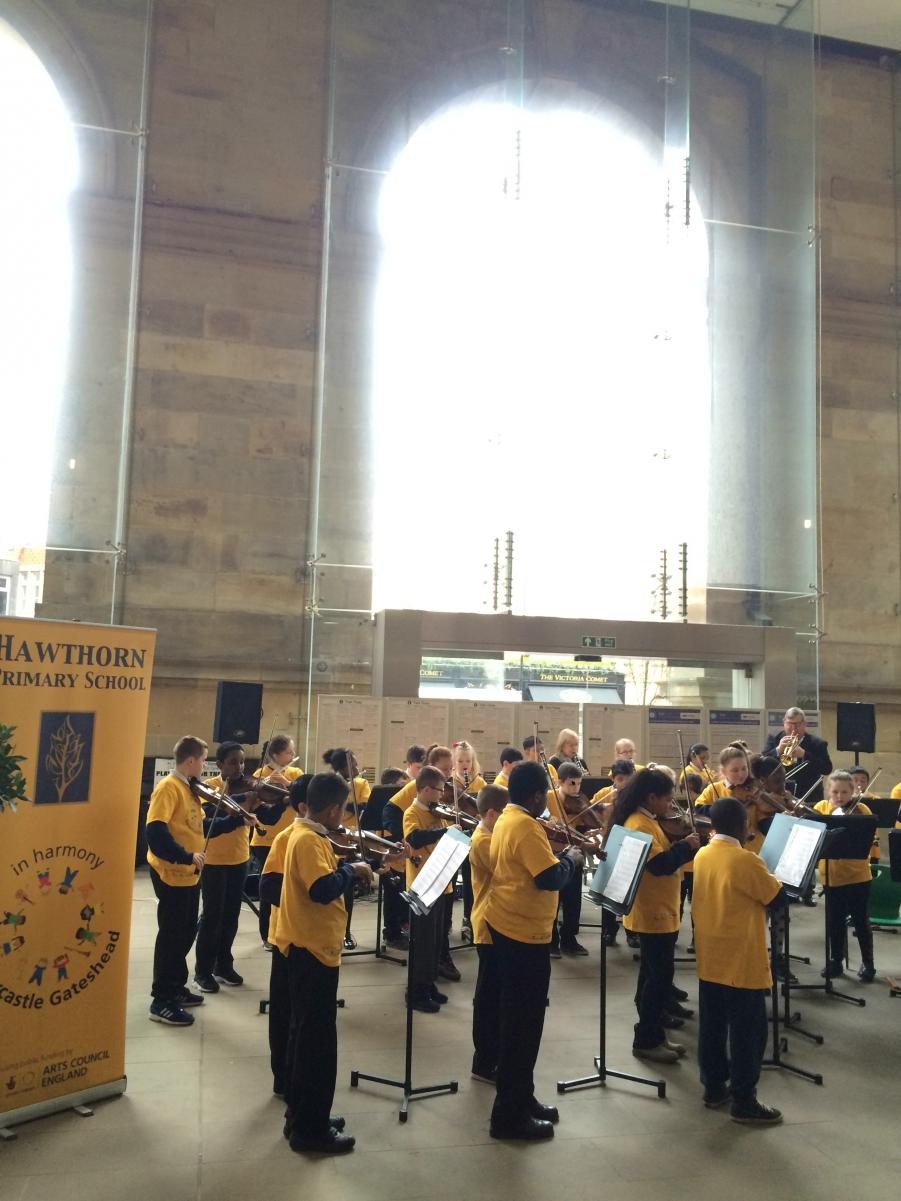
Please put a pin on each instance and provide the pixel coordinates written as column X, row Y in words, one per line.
column 613, row 887
column 847, row 837
column 426, row 890
column 371, row 820
column 790, row 851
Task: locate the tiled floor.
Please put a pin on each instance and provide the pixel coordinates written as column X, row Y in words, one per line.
column 199, row 1119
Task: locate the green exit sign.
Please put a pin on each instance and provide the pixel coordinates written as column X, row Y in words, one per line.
column 595, row 641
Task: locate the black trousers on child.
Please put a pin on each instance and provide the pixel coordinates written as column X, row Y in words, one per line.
column 570, row 908
column 261, row 854
column 654, row 989
column 394, row 907
column 279, row 1018
column 176, row 920
column 426, row 933
column 732, row 1037
column 486, row 1015
column 222, row 889
column 524, row 971
column 849, row 901
column 312, row 1058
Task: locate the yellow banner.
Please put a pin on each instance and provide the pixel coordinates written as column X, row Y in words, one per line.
column 77, row 696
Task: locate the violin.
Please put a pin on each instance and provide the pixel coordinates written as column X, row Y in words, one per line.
column 465, row 820
column 363, row 844
column 465, row 800
column 566, row 836
column 582, row 813
column 676, row 824
column 221, row 800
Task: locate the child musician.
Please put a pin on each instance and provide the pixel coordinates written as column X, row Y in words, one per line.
column 861, row 778
column 466, row 776
column 343, row 761
column 310, row 930
column 175, row 854
column 485, row 1012
column 509, row 756
column 526, row 878
column 422, row 830
column 655, row 914
column 569, row 786
column 732, row 891
column 621, row 772
column 847, row 883
column 276, row 766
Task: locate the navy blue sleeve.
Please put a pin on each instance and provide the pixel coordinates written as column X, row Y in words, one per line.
column 779, row 901
column 425, row 838
column 328, row 888
column 223, row 824
column 271, row 888
column 270, row 814
column 552, row 879
column 164, row 846
column 393, row 821
column 667, row 863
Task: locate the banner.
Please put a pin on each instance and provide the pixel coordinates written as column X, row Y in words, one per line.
column 77, row 696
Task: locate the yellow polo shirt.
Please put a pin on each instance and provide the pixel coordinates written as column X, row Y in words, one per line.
column 719, row 788
column 480, row 862
column 228, row 849
column 265, row 840
column 362, row 790
column 844, row 871
column 728, row 907
column 173, row 802
column 418, row 817
column 405, row 797
column 501, row 780
column 275, row 862
column 520, row 851
column 896, row 793
column 302, row 922
column 656, row 908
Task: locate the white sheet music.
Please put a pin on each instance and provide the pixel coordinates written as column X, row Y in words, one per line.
column 617, row 887
column 440, row 867
column 799, row 849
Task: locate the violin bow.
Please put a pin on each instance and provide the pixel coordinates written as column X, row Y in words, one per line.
column 259, row 779
column 688, row 796
column 547, row 771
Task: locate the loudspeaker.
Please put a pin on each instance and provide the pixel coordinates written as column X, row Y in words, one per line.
column 856, row 727
column 238, row 710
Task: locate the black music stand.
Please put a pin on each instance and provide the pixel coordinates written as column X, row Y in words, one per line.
column 427, row 889
column 614, row 887
column 790, row 851
column 847, row 837
column 370, row 818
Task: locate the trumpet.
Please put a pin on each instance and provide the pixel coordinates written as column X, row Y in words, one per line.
column 786, row 757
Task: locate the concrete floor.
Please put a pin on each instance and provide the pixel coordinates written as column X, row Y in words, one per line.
column 199, row 1119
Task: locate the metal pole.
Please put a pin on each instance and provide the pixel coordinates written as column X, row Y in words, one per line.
column 508, row 583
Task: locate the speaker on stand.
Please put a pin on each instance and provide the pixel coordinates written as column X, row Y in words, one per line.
column 856, row 728
column 239, row 707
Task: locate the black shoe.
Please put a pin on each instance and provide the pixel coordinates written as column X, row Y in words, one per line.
column 833, row 970
column 206, row 983
column 544, row 1113
column 752, row 1113
column 466, row 930
column 448, row 970
column 526, row 1129
column 423, row 1003
column 229, row 976
column 811, row 904
column 401, row 943
column 784, row 973
column 440, row 998
column 278, row 1086
column 866, row 973
column 555, row 951
column 675, row 1010
column 170, row 1013
column 573, row 947
column 609, row 940
column 668, row 1022
column 337, row 1122
column 350, row 944
column 487, row 1076
column 186, row 998
column 333, row 1143
column 678, row 993
column 716, row 1098
column 690, row 949
column 633, row 940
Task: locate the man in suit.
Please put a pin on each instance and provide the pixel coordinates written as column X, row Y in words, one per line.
column 810, row 754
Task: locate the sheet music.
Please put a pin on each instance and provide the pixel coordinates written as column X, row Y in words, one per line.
column 620, row 881
column 794, row 862
column 440, row 867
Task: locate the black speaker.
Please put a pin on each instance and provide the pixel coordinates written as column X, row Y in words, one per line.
column 238, row 710
column 856, row 727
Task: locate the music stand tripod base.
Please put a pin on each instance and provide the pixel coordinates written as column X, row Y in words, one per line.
column 411, row 1093
column 379, row 951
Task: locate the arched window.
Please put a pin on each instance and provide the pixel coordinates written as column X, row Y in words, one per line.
column 39, row 165
column 541, row 364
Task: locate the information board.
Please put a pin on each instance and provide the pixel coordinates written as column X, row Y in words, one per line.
column 732, row 725
column 406, row 721
column 350, row 721
column 552, row 717
column 664, row 724
column 602, row 725
column 489, row 726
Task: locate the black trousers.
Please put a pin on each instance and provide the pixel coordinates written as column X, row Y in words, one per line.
column 279, row 1017
column 466, row 875
column 312, row 1059
column 447, row 902
column 571, row 908
column 486, row 1014
column 176, row 921
column 261, row 854
column 222, row 888
column 394, row 907
column 732, row 1036
column 655, row 986
column 686, row 888
column 426, row 933
column 609, row 924
column 524, row 971
column 849, row 901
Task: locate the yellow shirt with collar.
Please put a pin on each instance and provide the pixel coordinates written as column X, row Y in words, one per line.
column 405, row 797
column 719, row 788
column 362, row 790
column 520, row 851
column 290, row 774
column 275, row 862
column 420, row 817
column 303, row 922
column 896, row 795
column 656, row 908
column 480, row 862
column 731, row 892
column 844, row 871
column 173, row 802
column 227, row 850
column 501, row 780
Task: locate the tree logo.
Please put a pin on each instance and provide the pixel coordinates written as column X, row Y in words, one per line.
column 64, row 758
